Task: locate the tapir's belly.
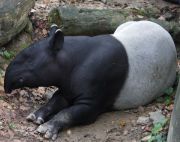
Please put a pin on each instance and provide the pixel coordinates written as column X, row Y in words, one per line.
column 152, row 63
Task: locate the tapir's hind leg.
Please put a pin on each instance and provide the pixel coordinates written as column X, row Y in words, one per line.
column 55, row 104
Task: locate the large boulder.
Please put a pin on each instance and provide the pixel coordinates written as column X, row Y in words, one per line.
column 13, row 18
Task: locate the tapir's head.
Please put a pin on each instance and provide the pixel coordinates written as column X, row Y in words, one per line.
column 35, row 65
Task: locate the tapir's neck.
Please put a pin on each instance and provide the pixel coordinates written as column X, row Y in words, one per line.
column 73, row 53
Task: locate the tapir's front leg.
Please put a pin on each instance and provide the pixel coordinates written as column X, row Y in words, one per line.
column 74, row 115
column 55, row 104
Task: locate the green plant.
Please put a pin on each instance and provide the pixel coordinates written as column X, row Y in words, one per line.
column 11, row 125
column 24, row 45
column 167, row 99
column 2, row 97
column 7, row 54
column 157, row 134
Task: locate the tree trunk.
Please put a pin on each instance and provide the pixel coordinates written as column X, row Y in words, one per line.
column 81, row 21
column 174, row 128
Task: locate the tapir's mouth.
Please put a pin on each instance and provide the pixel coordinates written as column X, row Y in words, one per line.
column 7, row 90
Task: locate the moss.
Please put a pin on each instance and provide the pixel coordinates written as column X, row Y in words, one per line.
column 147, row 12
column 13, row 22
column 81, row 21
column 29, row 27
column 54, row 17
column 23, row 45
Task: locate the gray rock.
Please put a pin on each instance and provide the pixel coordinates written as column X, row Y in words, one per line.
column 104, row 1
column 143, row 120
column 13, row 18
column 157, row 116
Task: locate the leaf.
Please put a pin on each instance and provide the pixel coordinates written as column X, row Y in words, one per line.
column 2, row 97
column 168, row 100
column 7, row 54
column 152, row 139
column 157, row 128
column 12, row 126
column 169, row 91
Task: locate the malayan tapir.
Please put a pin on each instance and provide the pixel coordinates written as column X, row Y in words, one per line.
column 95, row 74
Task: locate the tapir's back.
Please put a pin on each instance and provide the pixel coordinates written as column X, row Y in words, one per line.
column 152, row 62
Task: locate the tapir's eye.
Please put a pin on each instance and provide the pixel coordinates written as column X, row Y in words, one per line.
column 21, row 80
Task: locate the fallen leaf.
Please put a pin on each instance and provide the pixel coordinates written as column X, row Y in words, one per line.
column 122, row 123
column 146, row 138
column 44, row 32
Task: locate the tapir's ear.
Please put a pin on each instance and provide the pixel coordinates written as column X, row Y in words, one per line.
column 53, row 29
column 57, row 40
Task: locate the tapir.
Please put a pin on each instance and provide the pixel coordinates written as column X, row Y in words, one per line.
column 94, row 74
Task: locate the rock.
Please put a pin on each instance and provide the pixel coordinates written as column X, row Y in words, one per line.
column 24, row 108
column 141, row 109
column 29, row 27
column 143, row 120
column 1, row 125
column 69, row 132
column 125, row 132
column 13, row 18
column 133, row 122
column 23, row 93
column 104, row 21
column 157, row 116
column 104, row 1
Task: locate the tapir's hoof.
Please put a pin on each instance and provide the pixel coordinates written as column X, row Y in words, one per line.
column 37, row 120
column 31, row 117
column 49, row 130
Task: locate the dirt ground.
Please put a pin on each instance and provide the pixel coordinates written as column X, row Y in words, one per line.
column 119, row 126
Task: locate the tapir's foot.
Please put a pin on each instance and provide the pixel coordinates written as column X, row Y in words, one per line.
column 55, row 104
column 36, row 117
column 49, row 130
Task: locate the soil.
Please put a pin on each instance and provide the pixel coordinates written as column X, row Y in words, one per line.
column 117, row 126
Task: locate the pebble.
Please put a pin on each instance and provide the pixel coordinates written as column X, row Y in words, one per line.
column 146, row 138
column 104, row 1
column 157, row 116
column 133, row 122
column 143, row 120
column 141, row 109
column 125, row 132
column 69, row 132
column 23, row 93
